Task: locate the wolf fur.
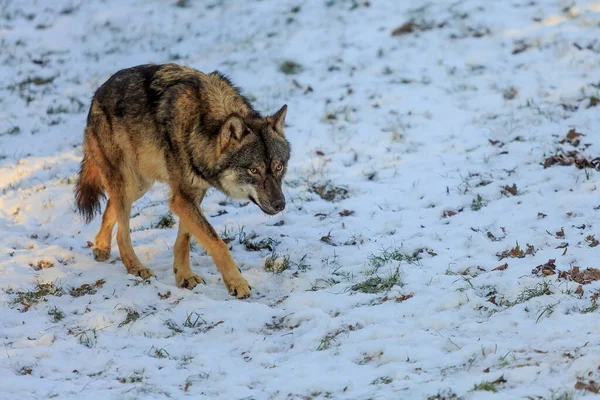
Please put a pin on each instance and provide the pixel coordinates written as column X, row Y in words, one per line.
column 191, row 130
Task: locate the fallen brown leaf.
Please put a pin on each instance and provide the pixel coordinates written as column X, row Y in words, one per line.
column 549, row 268
column 501, row 267
column 403, row 298
column 572, row 138
column 408, row 27
column 448, row 213
column 42, row 264
column 592, row 241
column 511, row 189
column 590, row 386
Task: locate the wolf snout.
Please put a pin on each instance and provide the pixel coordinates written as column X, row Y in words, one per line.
column 278, row 205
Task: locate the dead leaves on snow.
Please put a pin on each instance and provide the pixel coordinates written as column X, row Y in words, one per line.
column 582, row 277
column 591, row 241
column 516, row 252
column 575, row 274
column 572, row 157
column 590, row 386
column 546, row 269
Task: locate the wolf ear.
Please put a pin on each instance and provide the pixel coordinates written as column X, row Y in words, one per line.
column 278, row 119
column 232, row 131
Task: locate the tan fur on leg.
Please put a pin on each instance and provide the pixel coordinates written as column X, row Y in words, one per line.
column 195, row 222
column 184, row 277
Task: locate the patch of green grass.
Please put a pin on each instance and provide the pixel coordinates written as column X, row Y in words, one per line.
column 327, row 341
column 328, row 191
column 37, row 81
column 478, row 203
column 301, row 263
column 489, row 386
column 541, row 289
column 546, row 310
column 173, row 326
column 56, row 314
column 251, row 244
column 185, row 360
column 338, row 275
column 136, row 377
column 382, row 380
column 444, row 395
column 290, row 67
column 132, row 316
column 57, row 110
column 589, row 309
column 193, row 320
column 87, row 289
column 562, row 396
column 392, row 254
column 277, row 264
column 33, row 297
column 323, row 284
column 228, row 234
column 167, row 221
column 15, row 130
column 377, row 284
column 158, row 353
column 249, row 240
column 88, row 338
column 485, row 386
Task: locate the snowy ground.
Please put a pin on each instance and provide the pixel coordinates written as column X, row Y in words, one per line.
column 385, row 277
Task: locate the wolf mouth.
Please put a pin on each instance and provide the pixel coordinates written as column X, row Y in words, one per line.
column 269, row 212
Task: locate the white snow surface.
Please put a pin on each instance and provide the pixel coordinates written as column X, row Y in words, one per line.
column 412, row 126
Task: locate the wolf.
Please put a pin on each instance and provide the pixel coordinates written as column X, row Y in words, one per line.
column 191, row 130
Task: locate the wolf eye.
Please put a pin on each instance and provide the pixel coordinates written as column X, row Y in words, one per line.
column 253, row 171
column 279, row 167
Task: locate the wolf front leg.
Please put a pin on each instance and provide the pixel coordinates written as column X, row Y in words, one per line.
column 184, row 277
column 188, row 211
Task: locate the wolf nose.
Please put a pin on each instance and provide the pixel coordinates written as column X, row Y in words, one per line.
column 278, row 205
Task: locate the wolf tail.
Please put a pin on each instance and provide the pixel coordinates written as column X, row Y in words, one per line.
column 88, row 190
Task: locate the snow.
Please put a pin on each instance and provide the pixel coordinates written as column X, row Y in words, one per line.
column 411, row 126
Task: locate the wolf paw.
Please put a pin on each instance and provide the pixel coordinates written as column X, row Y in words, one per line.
column 143, row 273
column 101, row 254
column 238, row 287
column 189, row 281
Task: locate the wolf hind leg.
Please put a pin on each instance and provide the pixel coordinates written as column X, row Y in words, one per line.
column 101, row 249
column 103, row 240
column 132, row 263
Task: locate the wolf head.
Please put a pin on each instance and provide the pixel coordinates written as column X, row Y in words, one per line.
column 253, row 159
